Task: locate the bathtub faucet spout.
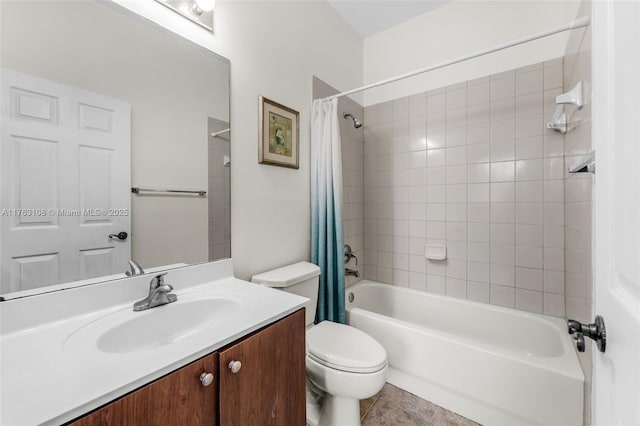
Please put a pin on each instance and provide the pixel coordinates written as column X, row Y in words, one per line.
column 353, row 272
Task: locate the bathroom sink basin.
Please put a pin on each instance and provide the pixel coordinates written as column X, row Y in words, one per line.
column 127, row 331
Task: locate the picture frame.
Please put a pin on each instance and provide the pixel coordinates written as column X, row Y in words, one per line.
column 279, row 135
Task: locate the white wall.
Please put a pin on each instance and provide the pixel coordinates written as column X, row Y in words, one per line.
column 459, row 28
column 274, row 48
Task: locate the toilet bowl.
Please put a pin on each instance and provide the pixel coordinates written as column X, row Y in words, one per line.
column 343, row 363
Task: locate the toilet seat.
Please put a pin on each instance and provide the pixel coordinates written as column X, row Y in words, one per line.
column 345, row 348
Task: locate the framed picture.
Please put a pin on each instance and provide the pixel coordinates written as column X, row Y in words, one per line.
column 279, row 140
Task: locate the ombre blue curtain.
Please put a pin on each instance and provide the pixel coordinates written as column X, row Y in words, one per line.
column 327, row 238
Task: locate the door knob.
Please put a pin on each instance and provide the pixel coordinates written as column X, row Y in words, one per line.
column 120, row 236
column 235, row 366
column 595, row 331
column 206, row 379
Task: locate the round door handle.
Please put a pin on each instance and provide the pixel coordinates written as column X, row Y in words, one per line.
column 206, row 379
column 235, row 366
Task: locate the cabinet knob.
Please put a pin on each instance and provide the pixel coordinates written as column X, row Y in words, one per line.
column 206, row 379
column 235, row 366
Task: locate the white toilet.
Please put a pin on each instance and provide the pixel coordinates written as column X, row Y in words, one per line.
column 344, row 364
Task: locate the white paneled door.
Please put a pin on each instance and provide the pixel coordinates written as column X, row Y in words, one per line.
column 616, row 90
column 65, row 183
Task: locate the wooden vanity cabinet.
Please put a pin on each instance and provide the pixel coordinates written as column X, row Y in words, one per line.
column 266, row 388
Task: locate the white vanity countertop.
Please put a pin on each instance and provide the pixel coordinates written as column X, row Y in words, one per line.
column 47, row 381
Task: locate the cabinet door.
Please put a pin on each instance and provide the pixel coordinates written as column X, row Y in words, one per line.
column 177, row 399
column 269, row 388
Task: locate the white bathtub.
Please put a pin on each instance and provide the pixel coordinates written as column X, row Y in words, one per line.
column 494, row 365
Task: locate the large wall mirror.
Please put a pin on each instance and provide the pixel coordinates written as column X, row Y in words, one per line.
column 114, row 146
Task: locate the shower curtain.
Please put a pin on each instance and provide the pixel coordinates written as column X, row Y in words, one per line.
column 327, row 240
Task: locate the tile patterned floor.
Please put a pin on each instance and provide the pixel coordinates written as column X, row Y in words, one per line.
column 396, row 407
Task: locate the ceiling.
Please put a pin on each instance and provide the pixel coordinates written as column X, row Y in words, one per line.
column 369, row 17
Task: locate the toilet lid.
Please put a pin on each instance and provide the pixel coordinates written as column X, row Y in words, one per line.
column 345, row 348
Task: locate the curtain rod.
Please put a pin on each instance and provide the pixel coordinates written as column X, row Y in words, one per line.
column 576, row 23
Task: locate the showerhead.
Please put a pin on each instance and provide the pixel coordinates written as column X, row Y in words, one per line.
column 356, row 123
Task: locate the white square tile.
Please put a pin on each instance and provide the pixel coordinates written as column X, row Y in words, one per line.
column 417, row 125
column 503, row 275
column 554, row 168
column 456, row 174
column 417, row 244
column 529, row 148
column 418, row 281
column 417, row 194
column 502, row 213
column 456, row 212
column 480, row 153
column 553, row 145
column 552, row 77
column 436, row 175
column 418, row 105
column 417, row 142
column 478, row 291
column 436, row 267
column 436, row 100
column 436, row 157
column 529, row 235
column 456, row 155
column 577, row 189
column 400, row 211
column 554, row 236
column 385, row 244
column 457, row 231
column 502, row 233
column 456, row 136
column 385, row 259
column 478, row 232
column 503, row 130
column 436, row 138
column 478, row 193
column 530, row 301
column 529, row 214
column 457, row 193
column 385, row 275
column 502, row 254
column 400, row 134
column 456, row 117
column 478, row 173
column 417, row 159
column 478, row 252
column 479, row 271
column 502, row 171
column 437, row 193
column 553, row 214
column 553, row 282
column 418, row 212
column 503, row 109
column 436, row 231
column 371, row 272
column 400, row 278
column 456, row 98
column 418, row 177
column 436, row 284
column 529, row 103
column 530, row 169
column 554, row 191
column 503, row 151
column 418, row 264
column 478, row 113
column 400, row 228
column 478, row 212
column 503, row 87
column 479, row 133
column 479, row 94
column 400, row 246
column 529, row 82
column 530, row 279
column 436, row 212
column 456, row 288
column 503, row 192
column 553, row 304
column 400, row 261
column 529, row 125
column 436, row 119
column 502, row 296
column 529, row 257
column 529, row 192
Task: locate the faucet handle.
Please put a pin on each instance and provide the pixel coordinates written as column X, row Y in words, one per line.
column 158, row 280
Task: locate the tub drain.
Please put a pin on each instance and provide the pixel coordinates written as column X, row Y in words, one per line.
column 351, row 297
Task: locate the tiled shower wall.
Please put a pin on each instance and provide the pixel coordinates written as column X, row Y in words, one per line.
column 352, row 174
column 219, row 196
column 578, row 193
column 471, row 166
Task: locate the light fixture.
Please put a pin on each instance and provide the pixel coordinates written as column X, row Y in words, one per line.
column 198, row 11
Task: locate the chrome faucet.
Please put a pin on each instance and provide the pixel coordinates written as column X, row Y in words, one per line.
column 349, row 254
column 159, row 294
column 136, row 269
column 353, row 272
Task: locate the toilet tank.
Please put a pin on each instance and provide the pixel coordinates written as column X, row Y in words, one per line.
column 300, row 278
